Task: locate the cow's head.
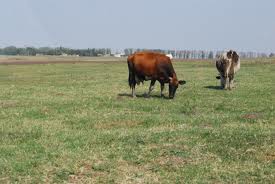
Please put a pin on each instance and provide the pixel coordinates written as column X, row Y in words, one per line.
column 232, row 55
column 229, row 54
column 173, row 86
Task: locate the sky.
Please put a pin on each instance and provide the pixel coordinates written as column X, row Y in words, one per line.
column 244, row 25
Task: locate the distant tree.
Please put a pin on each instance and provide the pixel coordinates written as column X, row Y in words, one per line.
column 11, row 50
column 21, row 51
column 31, row 51
column 272, row 55
column 203, row 54
column 43, row 50
column 211, row 55
column 127, row 51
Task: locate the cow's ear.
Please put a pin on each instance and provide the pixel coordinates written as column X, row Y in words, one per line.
column 235, row 56
column 181, row 82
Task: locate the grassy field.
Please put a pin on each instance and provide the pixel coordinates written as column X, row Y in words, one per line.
column 76, row 123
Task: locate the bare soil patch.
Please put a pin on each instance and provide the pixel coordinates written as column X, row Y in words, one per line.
column 251, row 116
column 58, row 60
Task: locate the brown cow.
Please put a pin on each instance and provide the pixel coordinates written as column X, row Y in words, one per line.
column 228, row 64
column 155, row 67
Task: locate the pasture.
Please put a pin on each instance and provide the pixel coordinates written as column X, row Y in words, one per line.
column 75, row 122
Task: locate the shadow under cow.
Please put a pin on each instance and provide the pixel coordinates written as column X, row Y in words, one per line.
column 214, row 87
column 142, row 96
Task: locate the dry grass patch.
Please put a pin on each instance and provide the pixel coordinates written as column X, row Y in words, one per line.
column 129, row 173
column 8, row 103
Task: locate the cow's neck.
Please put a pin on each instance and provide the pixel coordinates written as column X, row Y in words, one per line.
column 175, row 77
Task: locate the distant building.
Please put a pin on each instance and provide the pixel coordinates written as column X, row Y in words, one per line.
column 119, row 55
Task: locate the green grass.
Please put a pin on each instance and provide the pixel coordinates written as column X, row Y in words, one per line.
column 76, row 123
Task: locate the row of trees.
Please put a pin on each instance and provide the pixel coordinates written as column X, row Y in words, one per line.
column 200, row 54
column 181, row 54
column 32, row 51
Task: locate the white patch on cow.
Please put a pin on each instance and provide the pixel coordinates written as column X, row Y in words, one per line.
column 170, row 56
column 224, row 55
column 229, row 62
column 238, row 66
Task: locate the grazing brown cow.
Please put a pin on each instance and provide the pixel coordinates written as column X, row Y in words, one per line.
column 155, row 67
column 228, row 64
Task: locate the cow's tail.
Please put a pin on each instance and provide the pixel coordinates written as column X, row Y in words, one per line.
column 131, row 78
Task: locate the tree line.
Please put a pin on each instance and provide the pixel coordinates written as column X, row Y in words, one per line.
column 57, row 51
column 199, row 54
column 180, row 54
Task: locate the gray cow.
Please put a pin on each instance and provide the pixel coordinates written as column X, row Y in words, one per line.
column 228, row 64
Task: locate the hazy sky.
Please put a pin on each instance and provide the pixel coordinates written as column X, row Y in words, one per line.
column 244, row 25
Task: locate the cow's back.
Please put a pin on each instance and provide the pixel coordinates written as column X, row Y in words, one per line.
column 148, row 63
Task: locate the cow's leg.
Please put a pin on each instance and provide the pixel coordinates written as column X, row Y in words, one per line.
column 222, row 82
column 226, row 83
column 231, row 82
column 227, row 75
column 161, row 89
column 151, row 87
column 133, row 90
